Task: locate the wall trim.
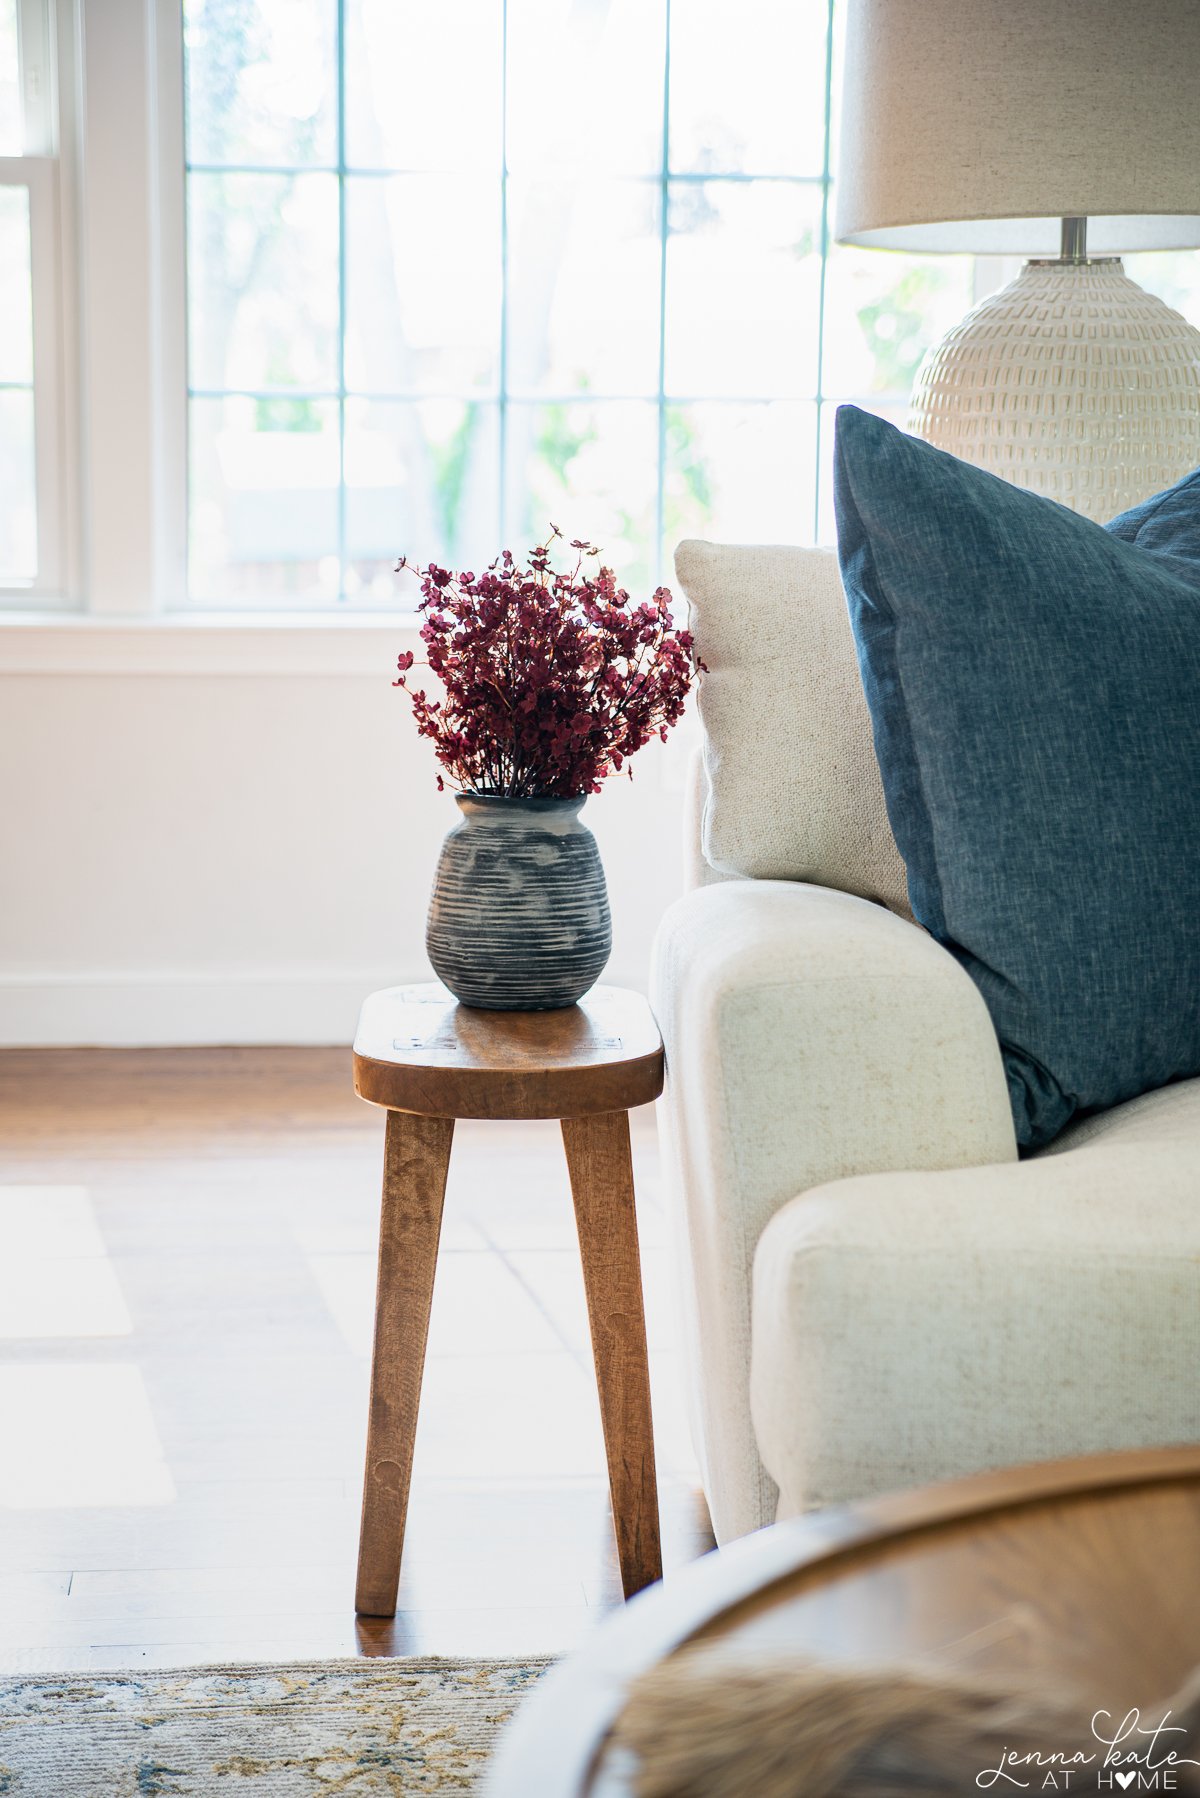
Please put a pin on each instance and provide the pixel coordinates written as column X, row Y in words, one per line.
column 159, row 1010
column 205, row 643
column 173, row 1010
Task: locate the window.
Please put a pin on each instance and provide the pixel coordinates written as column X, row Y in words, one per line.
column 458, row 270
column 30, row 421
column 312, row 283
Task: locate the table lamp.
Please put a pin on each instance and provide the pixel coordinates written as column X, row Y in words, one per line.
column 1007, row 127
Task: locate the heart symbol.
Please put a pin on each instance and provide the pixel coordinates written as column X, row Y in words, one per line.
column 1125, row 1780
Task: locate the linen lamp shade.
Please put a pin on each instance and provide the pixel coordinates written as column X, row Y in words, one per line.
column 983, row 125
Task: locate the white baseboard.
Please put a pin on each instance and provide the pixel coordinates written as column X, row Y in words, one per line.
column 169, row 1010
column 194, row 1010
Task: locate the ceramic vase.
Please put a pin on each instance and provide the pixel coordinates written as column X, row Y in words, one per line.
column 519, row 917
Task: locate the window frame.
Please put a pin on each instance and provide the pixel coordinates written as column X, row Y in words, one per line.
column 37, row 171
column 107, row 189
column 120, row 434
column 102, row 83
column 128, row 165
column 666, row 181
column 38, row 175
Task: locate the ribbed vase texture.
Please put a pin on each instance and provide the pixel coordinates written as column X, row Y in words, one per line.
column 519, row 917
column 1072, row 381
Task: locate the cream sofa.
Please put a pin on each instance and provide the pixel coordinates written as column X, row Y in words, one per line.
column 876, row 1291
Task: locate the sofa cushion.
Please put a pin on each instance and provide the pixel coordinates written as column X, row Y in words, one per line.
column 1034, row 686
column 793, row 784
column 911, row 1327
column 1169, row 1114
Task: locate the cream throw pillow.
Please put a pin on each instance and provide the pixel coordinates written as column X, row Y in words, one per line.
column 793, row 785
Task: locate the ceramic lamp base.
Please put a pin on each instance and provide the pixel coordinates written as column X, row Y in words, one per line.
column 1072, row 381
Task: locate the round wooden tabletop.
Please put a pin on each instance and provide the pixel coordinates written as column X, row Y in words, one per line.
column 419, row 1050
column 1074, row 1576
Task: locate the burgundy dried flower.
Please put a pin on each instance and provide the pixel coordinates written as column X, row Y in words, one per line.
column 552, row 680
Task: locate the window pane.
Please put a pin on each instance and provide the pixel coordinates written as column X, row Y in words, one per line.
column 883, row 311
column 895, row 412
column 18, row 504
column 836, row 81
column 480, row 352
column 422, row 282
column 422, row 480
column 261, row 81
column 1174, row 275
column 264, row 500
column 11, row 123
column 16, row 294
column 585, row 86
column 263, row 280
column 424, row 84
column 740, row 473
column 584, row 270
column 743, row 289
column 748, row 86
column 592, row 470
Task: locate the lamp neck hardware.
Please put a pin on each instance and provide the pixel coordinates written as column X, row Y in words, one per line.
column 1073, row 253
column 1074, row 240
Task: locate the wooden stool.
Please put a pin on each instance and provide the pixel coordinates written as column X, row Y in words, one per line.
column 430, row 1060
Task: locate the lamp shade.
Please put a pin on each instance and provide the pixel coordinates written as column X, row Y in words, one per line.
column 979, row 124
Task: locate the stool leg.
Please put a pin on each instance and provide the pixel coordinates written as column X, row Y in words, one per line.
column 415, row 1160
column 601, row 1169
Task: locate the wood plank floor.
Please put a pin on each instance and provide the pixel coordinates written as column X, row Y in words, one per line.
column 187, row 1244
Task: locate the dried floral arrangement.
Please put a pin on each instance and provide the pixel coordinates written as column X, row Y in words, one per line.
column 551, row 679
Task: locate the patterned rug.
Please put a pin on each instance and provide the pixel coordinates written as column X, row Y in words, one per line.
column 365, row 1729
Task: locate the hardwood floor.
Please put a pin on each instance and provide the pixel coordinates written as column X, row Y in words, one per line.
column 187, row 1242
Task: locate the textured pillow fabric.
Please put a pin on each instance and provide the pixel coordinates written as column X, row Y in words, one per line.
column 793, row 785
column 1034, row 687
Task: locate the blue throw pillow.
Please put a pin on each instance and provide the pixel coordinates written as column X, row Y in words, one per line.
column 1168, row 524
column 1034, row 686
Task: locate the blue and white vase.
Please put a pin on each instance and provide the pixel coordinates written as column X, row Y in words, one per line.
column 519, row 917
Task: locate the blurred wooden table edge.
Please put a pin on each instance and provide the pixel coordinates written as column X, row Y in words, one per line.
column 554, row 1745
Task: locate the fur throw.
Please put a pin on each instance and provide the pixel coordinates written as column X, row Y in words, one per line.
column 708, row 1724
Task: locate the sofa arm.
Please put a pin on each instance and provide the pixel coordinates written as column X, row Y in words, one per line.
column 809, row 1035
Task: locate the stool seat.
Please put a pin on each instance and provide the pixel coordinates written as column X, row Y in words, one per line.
column 418, row 1050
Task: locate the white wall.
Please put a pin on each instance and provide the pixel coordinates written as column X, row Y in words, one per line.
column 223, row 857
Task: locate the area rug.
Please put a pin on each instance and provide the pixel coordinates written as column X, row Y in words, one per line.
column 362, row 1729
